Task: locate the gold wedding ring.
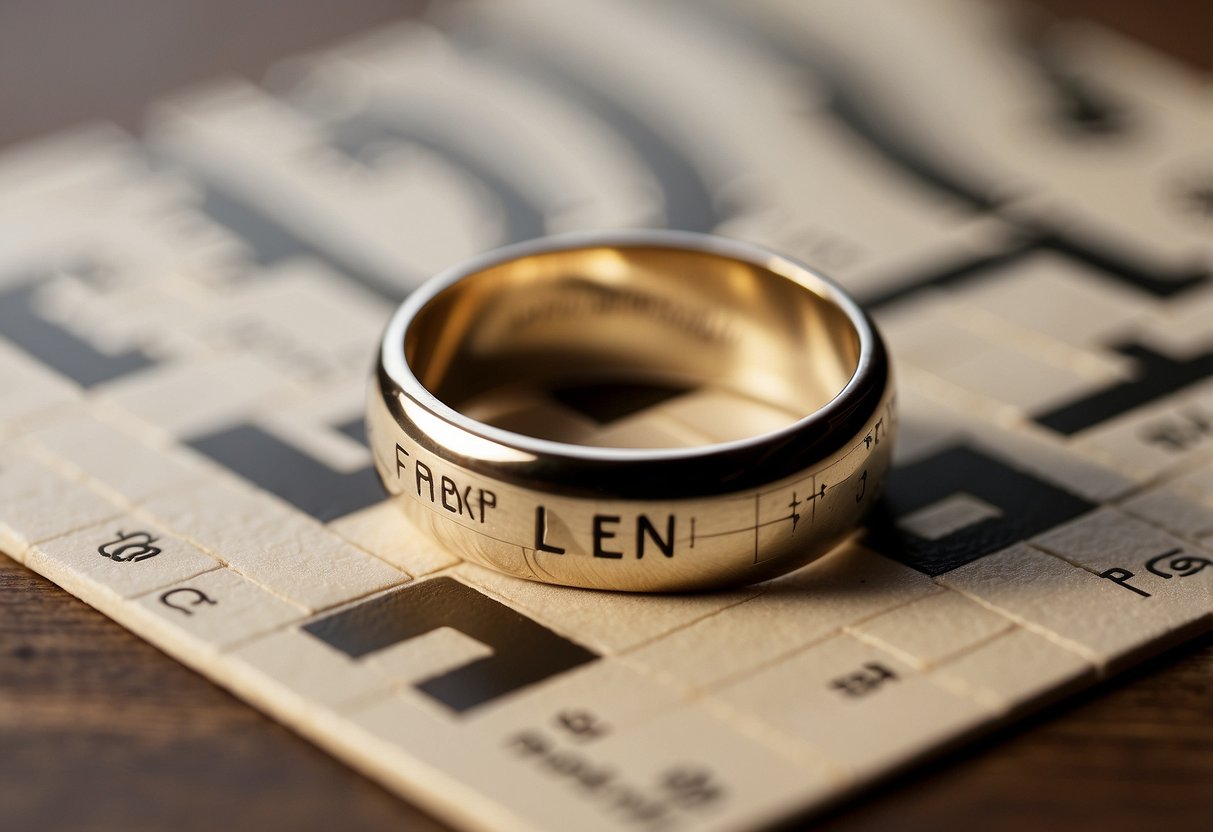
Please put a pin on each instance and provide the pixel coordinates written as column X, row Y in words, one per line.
column 634, row 410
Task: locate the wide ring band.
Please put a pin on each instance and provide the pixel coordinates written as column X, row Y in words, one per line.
column 634, row 518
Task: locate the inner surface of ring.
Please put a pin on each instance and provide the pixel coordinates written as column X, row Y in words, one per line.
column 633, row 347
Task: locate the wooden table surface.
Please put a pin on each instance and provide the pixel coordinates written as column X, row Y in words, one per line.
column 101, row 731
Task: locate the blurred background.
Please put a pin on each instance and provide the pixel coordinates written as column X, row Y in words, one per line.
column 63, row 61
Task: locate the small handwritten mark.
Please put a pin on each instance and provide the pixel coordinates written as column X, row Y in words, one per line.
column 199, row 597
column 129, row 548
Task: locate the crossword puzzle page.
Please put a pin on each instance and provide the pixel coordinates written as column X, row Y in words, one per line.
column 189, row 315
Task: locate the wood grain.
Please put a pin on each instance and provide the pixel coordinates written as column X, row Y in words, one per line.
column 99, row 730
column 63, row 61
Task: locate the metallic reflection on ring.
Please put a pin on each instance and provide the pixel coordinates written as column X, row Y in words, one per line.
column 634, row 410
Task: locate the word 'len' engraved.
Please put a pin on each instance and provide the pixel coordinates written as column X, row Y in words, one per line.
column 750, row 503
column 554, row 527
column 129, row 548
column 604, row 530
column 196, row 598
